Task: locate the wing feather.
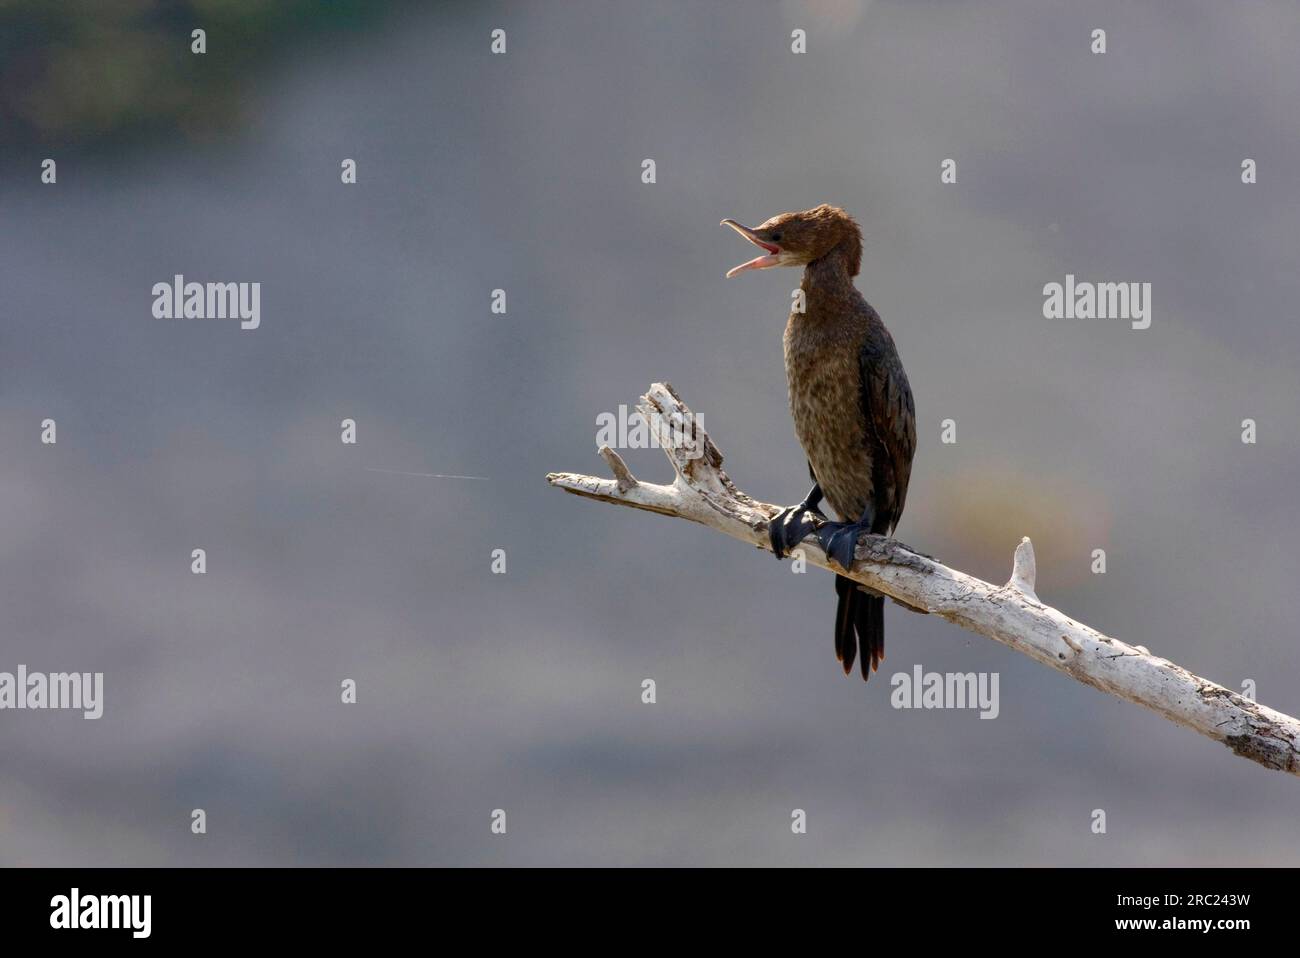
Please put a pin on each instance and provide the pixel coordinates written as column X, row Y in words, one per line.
column 890, row 415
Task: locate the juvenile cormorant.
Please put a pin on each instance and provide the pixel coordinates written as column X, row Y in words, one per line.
column 852, row 409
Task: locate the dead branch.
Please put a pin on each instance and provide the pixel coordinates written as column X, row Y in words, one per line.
column 1011, row 614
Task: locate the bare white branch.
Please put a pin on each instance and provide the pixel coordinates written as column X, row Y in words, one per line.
column 623, row 476
column 1023, row 570
column 1011, row 614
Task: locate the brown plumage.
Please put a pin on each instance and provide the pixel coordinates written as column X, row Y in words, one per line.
column 852, row 409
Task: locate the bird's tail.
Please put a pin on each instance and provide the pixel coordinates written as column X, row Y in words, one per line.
column 859, row 619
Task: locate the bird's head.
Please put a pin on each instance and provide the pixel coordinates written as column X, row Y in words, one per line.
column 797, row 239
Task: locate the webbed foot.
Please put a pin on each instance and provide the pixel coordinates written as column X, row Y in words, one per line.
column 791, row 525
column 840, row 539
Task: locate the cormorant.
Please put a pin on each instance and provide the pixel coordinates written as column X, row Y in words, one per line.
column 852, row 409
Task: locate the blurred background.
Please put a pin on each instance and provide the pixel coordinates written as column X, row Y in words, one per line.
column 522, row 171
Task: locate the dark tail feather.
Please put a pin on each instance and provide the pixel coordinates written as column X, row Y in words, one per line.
column 859, row 619
column 870, row 621
column 846, row 646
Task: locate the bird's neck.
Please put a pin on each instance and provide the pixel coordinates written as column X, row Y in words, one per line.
column 826, row 281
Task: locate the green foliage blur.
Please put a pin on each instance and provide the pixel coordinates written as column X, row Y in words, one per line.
column 76, row 72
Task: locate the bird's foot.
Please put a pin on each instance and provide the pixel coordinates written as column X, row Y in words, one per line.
column 840, row 540
column 789, row 526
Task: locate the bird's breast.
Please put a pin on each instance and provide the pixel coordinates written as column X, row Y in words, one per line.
column 822, row 372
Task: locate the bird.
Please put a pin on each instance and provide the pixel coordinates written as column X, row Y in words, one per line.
column 852, row 408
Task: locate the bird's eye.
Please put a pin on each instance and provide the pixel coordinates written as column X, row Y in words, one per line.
column 776, row 237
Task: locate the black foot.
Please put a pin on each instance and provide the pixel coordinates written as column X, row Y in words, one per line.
column 789, row 526
column 840, row 540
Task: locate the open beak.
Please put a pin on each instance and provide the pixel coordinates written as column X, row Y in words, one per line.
column 773, row 257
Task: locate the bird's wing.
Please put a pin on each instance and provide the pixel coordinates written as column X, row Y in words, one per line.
column 890, row 414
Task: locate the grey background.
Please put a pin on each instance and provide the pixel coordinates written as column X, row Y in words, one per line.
column 521, row 691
